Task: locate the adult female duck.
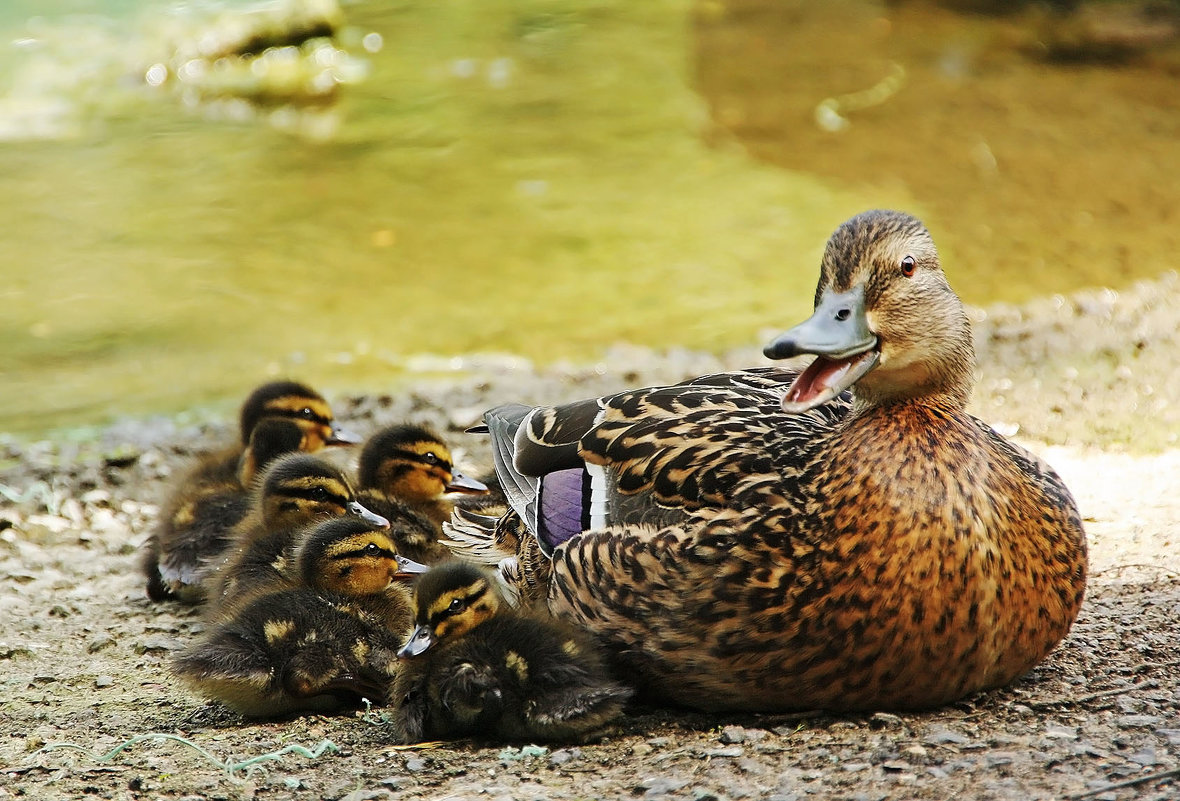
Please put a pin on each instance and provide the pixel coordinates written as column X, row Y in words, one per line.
column 846, row 538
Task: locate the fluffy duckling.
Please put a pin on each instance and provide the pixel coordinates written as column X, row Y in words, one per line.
column 277, row 418
column 476, row 668
column 319, row 647
column 405, row 472
column 297, row 490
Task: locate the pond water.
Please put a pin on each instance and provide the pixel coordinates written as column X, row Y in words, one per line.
column 539, row 177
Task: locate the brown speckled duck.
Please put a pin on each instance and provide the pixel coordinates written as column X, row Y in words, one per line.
column 847, row 537
column 277, row 418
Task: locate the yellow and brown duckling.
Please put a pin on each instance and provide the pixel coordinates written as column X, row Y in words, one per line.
column 406, row 473
column 296, row 491
column 847, row 537
column 324, row 637
column 278, row 417
column 476, row 669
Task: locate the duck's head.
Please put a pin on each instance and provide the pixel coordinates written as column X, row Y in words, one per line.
column 449, row 601
column 353, row 556
column 886, row 325
column 290, row 400
column 271, row 438
column 299, row 489
column 412, row 463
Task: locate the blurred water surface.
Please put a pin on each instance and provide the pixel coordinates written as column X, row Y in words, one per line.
column 539, row 177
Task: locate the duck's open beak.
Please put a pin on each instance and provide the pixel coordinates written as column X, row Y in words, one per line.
column 422, row 638
column 844, row 345
column 341, row 436
column 408, row 568
column 355, row 508
column 462, row 483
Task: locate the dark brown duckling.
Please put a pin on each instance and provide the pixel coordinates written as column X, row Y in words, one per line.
column 213, row 496
column 475, row 668
column 296, row 491
column 324, row 637
column 406, row 472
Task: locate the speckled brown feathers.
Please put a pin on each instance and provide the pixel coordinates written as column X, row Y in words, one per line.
column 888, row 551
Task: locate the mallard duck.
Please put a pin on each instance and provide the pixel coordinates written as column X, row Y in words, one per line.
column 320, row 637
column 405, row 473
column 214, row 495
column 296, row 490
column 846, row 537
column 476, row 668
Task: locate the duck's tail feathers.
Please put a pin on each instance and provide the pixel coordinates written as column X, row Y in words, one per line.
column 471, row 535
column 521, row 491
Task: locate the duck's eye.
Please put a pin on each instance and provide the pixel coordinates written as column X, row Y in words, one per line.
column 372, row 549
column 306, row 413
column 318, row 494
column 457, row 605
column 430, row 458
column 908, row 265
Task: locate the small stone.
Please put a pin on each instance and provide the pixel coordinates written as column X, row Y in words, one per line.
column 1136, row 721
column 944, row 736
column 998, row 758
column 415, row 764
column 98, row 644
column 895, row 766
column 104, row 681
column 658, row 786
column 915, row 752
column 884, row 720
column 731, row 735
column 1059, row 732
column 561, row 757
column 44, row 678
column 394, row 782
column 1145, row 757
column 641, row 749
column 158, row 642
column 725, row 753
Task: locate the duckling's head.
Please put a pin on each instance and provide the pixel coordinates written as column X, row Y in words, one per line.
column 270, row 439
column 449, row 601
column 291, row 400
column 886, row 322
column 298, row 489
column 412, row 463
column 353, row 556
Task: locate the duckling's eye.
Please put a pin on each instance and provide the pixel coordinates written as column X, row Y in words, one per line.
column 457, row 605
column 908, row 266
column 372, row 549
column 318, row 494
column 306, row 413
column 430, row 458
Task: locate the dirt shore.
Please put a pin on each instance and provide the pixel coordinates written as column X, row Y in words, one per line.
column 1092, row 383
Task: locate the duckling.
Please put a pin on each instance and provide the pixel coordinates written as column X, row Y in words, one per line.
column 475, row 668
column 845, row 537
column 322, row 638
column 276, row 418
column 404, row 473
column 296, row 490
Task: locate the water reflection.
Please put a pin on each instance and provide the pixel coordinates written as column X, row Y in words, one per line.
column 537, row 177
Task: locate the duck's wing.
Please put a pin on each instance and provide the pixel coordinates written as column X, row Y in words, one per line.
column 656, row 456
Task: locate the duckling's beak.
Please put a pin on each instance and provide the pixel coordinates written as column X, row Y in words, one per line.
column 422, row 638
column 341, row 436
column 462, row 483
column 408, row 568
column 354, row 508
column 845, row 348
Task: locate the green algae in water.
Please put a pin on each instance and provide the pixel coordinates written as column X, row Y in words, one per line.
column 514, row 176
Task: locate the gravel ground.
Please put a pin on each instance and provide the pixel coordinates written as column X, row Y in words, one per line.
column 1090, row 382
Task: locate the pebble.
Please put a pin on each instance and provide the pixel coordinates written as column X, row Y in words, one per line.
column 1137, row 721
column 659, row 786
column 158, row 643
column 415, row 764
column 731, row 735
column 725, row 753
column 561, row 757
column 944, row 736
column 104, row 681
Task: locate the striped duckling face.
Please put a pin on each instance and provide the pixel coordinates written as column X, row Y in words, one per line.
column 353, row 556
column 450, row 601
column 413, row 464
column 299, row 489
column 289, row 400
